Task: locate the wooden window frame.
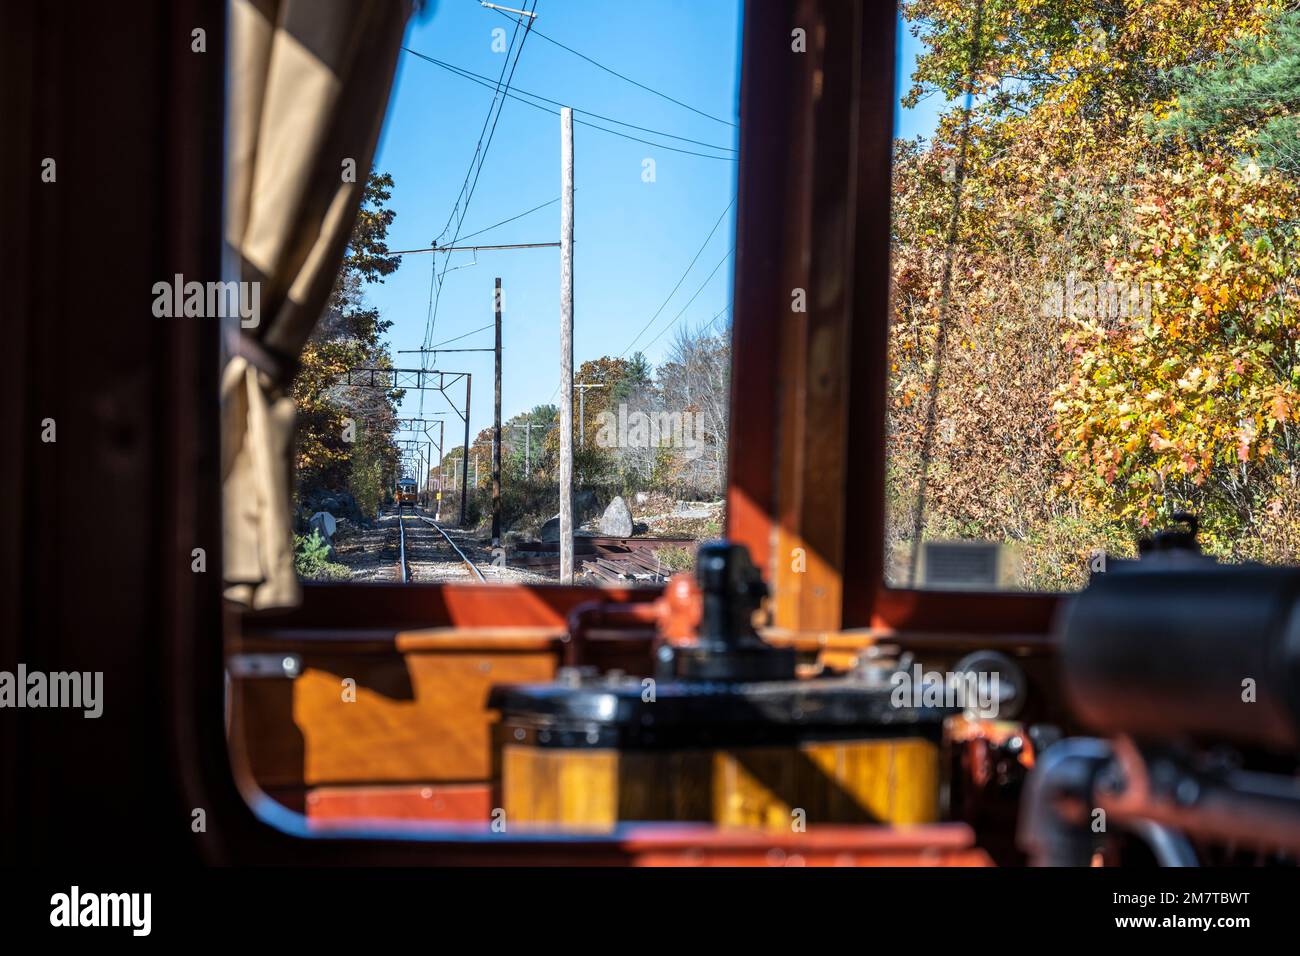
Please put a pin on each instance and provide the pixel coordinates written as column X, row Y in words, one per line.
column 813, row 207
column 817, row 483
column 813, row 193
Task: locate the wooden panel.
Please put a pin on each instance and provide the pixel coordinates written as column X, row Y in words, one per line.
column 459, row 802
column 416, row 717
column 887, row 780
column 407, row 607
column 943, row 844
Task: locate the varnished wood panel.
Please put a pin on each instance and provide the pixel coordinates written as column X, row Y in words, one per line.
column 887, row 780
column 416, row 717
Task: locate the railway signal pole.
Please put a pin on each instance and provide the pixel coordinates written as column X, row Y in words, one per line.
column 582, row 409
column 566, row 345
column 528, row 427
column 465, row 474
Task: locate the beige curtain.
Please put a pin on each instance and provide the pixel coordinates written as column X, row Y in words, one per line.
column 309, row 83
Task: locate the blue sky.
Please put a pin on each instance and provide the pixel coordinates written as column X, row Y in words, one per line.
column 633, row 239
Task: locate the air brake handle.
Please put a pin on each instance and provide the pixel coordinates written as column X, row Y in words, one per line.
column 732, row 591
column 728, row 649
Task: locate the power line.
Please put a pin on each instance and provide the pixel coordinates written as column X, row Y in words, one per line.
column 613, row 132
column 664, row 305
column 519, row 92
column 692, row 298
column 479, row 144
column 713, row 321
column 628, row 79
column 683, row 308
column 480, row 153
column 490, row 325
column 512, row 218
column 484, row 248
column 698, row 253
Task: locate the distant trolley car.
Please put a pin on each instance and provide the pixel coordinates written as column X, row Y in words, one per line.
column 406, row 491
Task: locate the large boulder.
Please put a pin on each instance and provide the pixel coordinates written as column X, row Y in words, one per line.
column 617, row 519
column 551, row 529
column 323, row 522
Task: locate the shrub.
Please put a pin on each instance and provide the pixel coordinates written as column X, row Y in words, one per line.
column 311, row 559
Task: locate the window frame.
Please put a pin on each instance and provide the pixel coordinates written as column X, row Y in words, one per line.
column 812, row 140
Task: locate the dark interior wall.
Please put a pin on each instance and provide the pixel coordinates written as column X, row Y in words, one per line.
column 99, row 525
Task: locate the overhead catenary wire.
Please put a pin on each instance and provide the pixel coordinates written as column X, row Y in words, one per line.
column 527, row 212
column 480, row 154
column 683, row 278
column 435, row 283
column 519, row 94
column 478, row 146
column 595, row 126
column 482, row 248
column 628, row 79
column 490, row 325
column 692, row 298
column 689, row 267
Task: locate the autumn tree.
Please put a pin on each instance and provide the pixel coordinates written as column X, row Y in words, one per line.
column 1061, row 168
column 345, row 435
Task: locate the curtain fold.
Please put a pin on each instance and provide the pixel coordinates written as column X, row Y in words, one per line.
column 309, row 84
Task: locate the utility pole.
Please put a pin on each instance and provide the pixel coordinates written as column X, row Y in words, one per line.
column 496, row 442
column 566, row 345
column 464, row 474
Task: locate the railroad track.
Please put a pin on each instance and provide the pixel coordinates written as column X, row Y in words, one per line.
column 433, row 555
column 403, row 566
column 473, row 568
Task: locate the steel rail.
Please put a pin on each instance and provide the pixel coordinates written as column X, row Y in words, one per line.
column 401, row 535
column 461, row 554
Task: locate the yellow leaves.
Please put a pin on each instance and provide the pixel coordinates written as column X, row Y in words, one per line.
column 1160, row 443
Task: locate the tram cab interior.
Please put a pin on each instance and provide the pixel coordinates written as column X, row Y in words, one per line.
column 747, row 712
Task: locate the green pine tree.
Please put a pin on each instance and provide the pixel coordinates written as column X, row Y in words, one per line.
column 1249, row 98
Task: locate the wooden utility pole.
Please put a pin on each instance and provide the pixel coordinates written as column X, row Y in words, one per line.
column 496, row 441
column 566, row 345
